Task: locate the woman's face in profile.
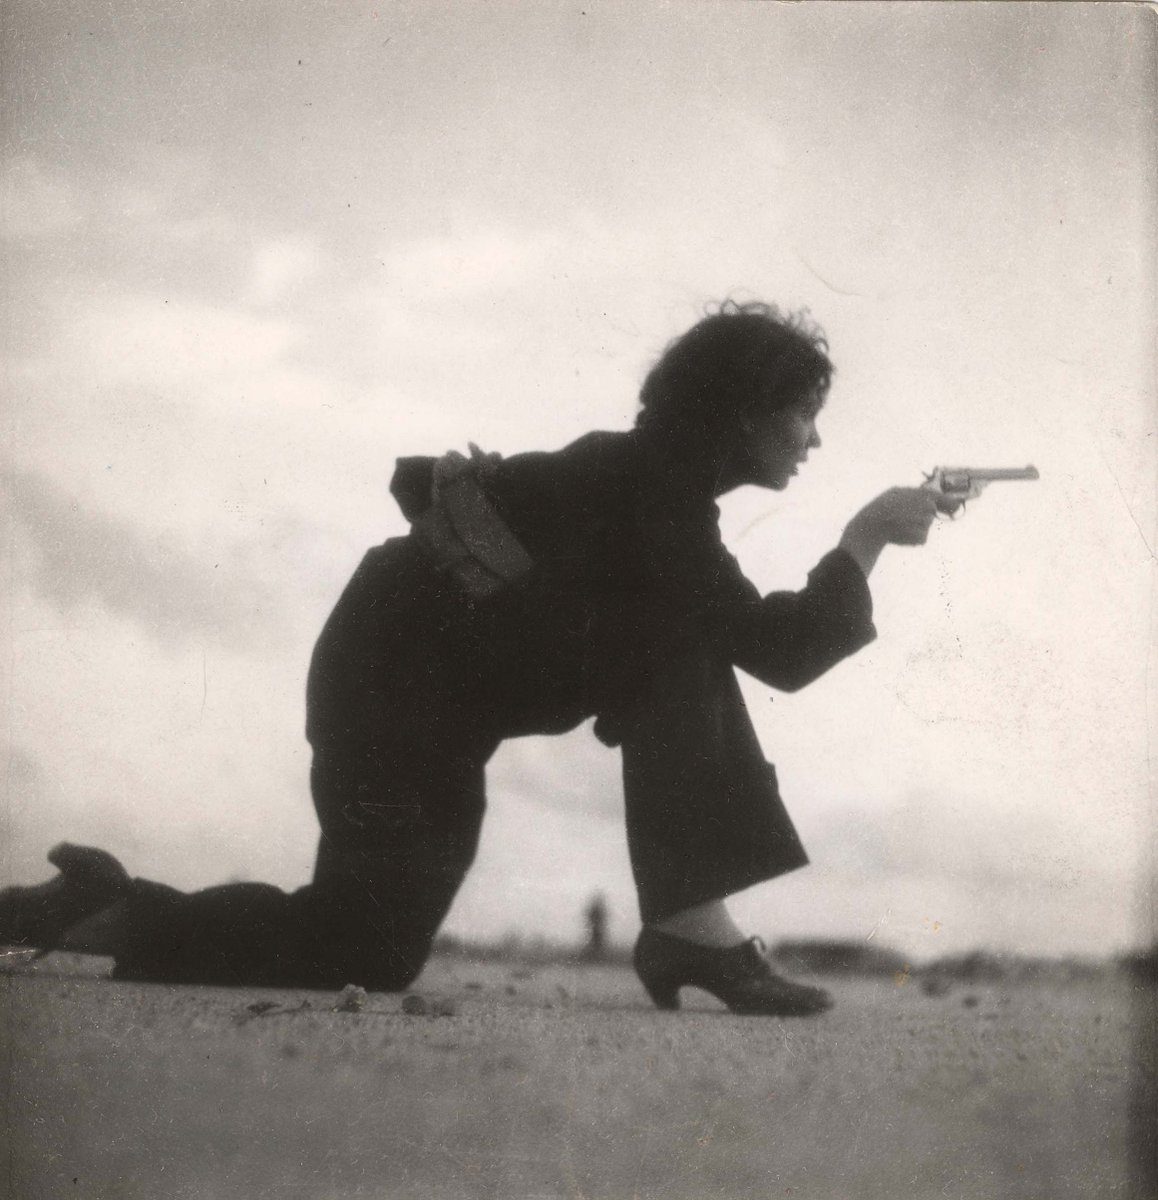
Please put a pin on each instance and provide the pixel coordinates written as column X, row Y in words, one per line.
column 777, row 442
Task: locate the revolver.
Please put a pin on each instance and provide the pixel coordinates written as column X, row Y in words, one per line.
column 959, row 484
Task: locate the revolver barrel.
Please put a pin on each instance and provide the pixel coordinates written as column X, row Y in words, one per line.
column 993, row 473
column 959, row 484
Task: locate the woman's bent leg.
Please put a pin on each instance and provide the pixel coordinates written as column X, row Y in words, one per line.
column 704, row 814
column 704, row 820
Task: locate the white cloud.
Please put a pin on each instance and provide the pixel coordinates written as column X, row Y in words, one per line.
column 153, row 340
column 574, row 775
column 34, row 201
column 72, row 556
column 453, row 266
column 278, row 266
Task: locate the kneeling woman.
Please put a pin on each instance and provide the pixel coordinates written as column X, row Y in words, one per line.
column 531, row 594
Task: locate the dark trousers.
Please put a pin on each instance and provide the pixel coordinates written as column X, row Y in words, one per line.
column 403, row 720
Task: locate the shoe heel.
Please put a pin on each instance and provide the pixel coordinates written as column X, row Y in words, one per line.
column 663, row 995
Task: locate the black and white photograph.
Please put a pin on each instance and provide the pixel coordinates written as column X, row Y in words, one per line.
column 578, row 600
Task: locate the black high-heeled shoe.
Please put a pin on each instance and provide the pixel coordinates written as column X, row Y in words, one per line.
column 741, row 976
column 37, row 917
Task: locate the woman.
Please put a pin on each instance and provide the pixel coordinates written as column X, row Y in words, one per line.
column 531, row 594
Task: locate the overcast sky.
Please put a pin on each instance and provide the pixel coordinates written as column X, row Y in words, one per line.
column 256, row 252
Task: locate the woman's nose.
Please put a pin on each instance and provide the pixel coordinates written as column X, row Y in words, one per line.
column 813, row 439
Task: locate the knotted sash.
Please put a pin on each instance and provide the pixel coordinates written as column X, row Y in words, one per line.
column 463, row 532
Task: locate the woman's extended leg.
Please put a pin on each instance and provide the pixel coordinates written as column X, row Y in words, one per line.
column 400, row 807
column 400, row 749
column 90, row 881
column 399, row 832
column 401, row 740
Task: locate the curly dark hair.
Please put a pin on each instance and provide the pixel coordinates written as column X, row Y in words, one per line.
column 739, row 358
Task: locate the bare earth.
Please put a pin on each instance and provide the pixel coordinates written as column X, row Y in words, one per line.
column 563, row 1082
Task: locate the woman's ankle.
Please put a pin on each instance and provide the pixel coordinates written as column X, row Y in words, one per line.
column 708, row 924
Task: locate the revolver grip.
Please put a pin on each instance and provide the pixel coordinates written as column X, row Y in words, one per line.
column 948, row 503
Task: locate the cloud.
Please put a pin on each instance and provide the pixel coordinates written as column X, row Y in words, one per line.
column 451, row 267
column 79, row 557
column 36, row 813
column 573, row 774
column 22, row 794
column 97, row 796
column 34, row 201
column 976, row 845
column 168, row 342
column 278, row 266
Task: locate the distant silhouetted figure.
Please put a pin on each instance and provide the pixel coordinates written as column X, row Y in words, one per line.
column 596, row 916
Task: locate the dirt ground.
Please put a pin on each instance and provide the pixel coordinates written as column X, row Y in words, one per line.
column 559, row 1082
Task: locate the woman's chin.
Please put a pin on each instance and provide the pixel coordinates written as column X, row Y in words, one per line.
column 775, row 479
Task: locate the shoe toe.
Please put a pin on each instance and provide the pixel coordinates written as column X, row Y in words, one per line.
column 37, row 915
column 777, row 997
column 87, row 863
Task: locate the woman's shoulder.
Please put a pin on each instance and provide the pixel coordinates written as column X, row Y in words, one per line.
column 601, row 463
column 601, row 451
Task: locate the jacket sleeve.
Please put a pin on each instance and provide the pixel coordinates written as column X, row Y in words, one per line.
column 788, row 639
column 784, row 639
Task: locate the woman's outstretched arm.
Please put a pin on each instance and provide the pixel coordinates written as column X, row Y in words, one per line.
column 788, row 639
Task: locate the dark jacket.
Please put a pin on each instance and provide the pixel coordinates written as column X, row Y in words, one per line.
column 630, row 571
